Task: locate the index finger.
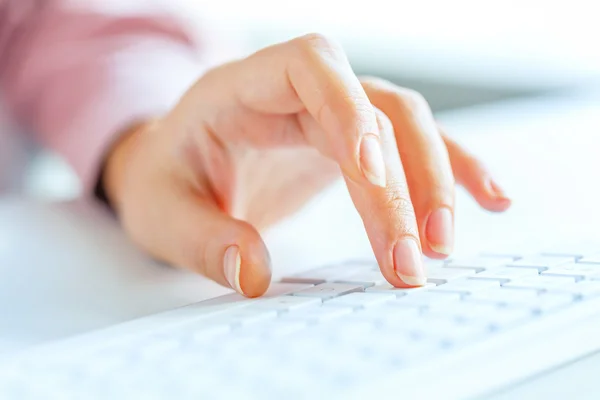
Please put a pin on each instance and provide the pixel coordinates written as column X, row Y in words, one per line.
column 308, row 74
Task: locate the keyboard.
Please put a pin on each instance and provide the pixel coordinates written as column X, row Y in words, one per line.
column 321, row 333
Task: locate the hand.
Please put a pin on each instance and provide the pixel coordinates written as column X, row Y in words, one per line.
column 253, row 140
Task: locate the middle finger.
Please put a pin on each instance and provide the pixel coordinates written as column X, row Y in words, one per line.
column 425, row 158
column 390, row 218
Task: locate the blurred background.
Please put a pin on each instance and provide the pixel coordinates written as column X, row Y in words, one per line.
column 458, row 53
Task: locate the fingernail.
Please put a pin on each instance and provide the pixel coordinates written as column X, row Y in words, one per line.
column 440, row 231
column 408, row 262
column 497, row 191
column 371, row 160
column 231, row 266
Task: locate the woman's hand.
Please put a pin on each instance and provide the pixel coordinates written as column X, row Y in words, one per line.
column 253, row 140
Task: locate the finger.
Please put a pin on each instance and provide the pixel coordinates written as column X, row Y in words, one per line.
column 389, row 217
column 425, row 160
column 388, row 214
column 473, row 175
column 188, row 230
column 310, row 74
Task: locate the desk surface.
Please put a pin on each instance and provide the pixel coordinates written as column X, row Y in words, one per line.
column 67, row 268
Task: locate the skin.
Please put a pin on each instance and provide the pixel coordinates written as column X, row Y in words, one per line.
column 254, row 139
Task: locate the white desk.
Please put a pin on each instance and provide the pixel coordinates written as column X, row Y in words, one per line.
column 67, row 268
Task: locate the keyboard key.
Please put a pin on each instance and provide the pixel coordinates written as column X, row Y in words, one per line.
column 395, row 351
column 325, row 274
column 364, row 278
column 387, row 288
column 505, row 274
column 433, row 263
column 574, row 270
column 507, row 317
column 541, row 263
column 509, row 256
column 327, row 291
column 543, row 302
column 281, row 288
column 503, row 296
column 317, row 314
column 446, row 329
column 480, row 263
column 351, row 327
column 541, row 282
column 244, row 316
column 287, row 303
column 361, row 300
column 218, row 306
column 548, row 302
column 492, row 315
column 278, row 383
column 234, row 300
column 440, row 275
column 577, row 251
column 426, row 298
column 389, row 314
column 593, row 259
column 466, row 286
column 208, row 309
column 278, row 328
column 584, row 289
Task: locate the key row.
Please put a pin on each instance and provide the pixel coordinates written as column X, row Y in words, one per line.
column 368, row 275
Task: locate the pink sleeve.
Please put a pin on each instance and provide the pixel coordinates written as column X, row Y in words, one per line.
column 78, row 76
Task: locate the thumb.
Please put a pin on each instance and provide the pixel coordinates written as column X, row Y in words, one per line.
column 177, row 223
column 192, row 232
column 228, row 251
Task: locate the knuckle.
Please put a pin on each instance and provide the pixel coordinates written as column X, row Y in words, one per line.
column 397, row 200
column 317, row 43
column 357, row 108
column 399, row 204
column 402, row 214
column 351, row 107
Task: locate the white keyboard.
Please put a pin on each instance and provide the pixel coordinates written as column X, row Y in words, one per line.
column 319, row 333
